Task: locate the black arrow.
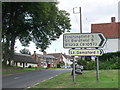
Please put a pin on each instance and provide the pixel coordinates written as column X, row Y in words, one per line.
column 102, row 39
column 101, row 52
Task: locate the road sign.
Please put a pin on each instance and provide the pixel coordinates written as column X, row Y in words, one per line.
column 84, row 40
column 86, row 52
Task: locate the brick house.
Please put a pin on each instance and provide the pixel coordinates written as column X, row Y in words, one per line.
column 45, row 61
column 62, row 59
column 35, row 60
column 111, row 31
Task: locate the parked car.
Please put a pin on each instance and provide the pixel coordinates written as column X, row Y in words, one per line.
column 78, row 71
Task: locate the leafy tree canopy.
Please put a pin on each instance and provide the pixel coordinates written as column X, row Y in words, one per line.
column 37, row 22
column 32, row 21
column 25, row 51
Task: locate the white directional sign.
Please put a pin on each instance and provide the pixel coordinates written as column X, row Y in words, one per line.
column 86, row 52
column 85, row 40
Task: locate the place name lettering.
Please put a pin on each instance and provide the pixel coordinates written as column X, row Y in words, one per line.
column 81, row 44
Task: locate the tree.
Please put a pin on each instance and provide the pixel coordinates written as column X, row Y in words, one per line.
column 25, row 51
column 31, row 21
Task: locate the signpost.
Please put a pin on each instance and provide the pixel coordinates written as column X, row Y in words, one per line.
column 84, row 40
column 86, row 52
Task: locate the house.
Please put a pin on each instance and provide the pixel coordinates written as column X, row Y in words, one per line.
column 41, row 61
column 62, row 59
column 23, row 60
column 35, row 60
column 111, row 31
column 45, row 61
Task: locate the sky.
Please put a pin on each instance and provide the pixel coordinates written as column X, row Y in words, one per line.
column 93, row 11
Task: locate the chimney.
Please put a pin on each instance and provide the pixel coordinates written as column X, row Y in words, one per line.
column 112, row 19
column 34, row 55
column 44, row 53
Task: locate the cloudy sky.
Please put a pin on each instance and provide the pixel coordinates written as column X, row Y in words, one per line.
column 93, row 11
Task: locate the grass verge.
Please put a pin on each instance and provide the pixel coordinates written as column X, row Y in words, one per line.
column 108, row 79
column 14, row 71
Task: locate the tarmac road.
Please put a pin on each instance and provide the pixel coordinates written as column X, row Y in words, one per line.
column 28, row 79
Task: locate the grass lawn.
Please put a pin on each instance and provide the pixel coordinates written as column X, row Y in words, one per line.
column 5, row 72
column 13, row 70
column 108, row 79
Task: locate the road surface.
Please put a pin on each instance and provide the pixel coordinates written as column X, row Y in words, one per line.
column 28, row 79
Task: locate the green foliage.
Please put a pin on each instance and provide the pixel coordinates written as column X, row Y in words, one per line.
column 88, row 58
column 110, row 60
column 58, row 65
column 32, row 21
column 90, row 65
column 107, row 61
column 25, row 51
column 87, row 63
column 111, row 64
column 108, row 56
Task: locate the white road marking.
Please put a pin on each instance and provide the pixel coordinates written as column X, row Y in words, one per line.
column 41, row 81
column 16, row 77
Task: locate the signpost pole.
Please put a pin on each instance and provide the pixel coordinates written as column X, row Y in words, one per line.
column 97, row 69
column 74, row 69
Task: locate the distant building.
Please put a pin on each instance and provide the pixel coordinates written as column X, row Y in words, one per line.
column 23, row 60
column 41, row 61
column 62, row 59
column 111, row 31
column 35, row 60
column 45, row 61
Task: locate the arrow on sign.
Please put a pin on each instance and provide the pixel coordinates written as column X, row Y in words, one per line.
column 86, row 52
column 102, row 40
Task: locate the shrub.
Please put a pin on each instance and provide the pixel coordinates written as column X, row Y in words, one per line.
column 58, row 65
column 110, row 61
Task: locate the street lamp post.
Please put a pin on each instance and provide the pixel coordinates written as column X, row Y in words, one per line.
column 80, row 32
column 80, row 17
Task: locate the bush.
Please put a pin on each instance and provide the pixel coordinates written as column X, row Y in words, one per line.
column 110, row 61
column 106, row 61
column 87, row 63
column 58, row 65
column 108, row 56
column 90, row 65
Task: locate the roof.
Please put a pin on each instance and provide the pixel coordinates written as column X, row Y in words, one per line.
column 43, row 56
column 49, row 56
column 67, row 56
column 40, row 55
column 108, row 29
column 24, row 58
column 57, row 55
